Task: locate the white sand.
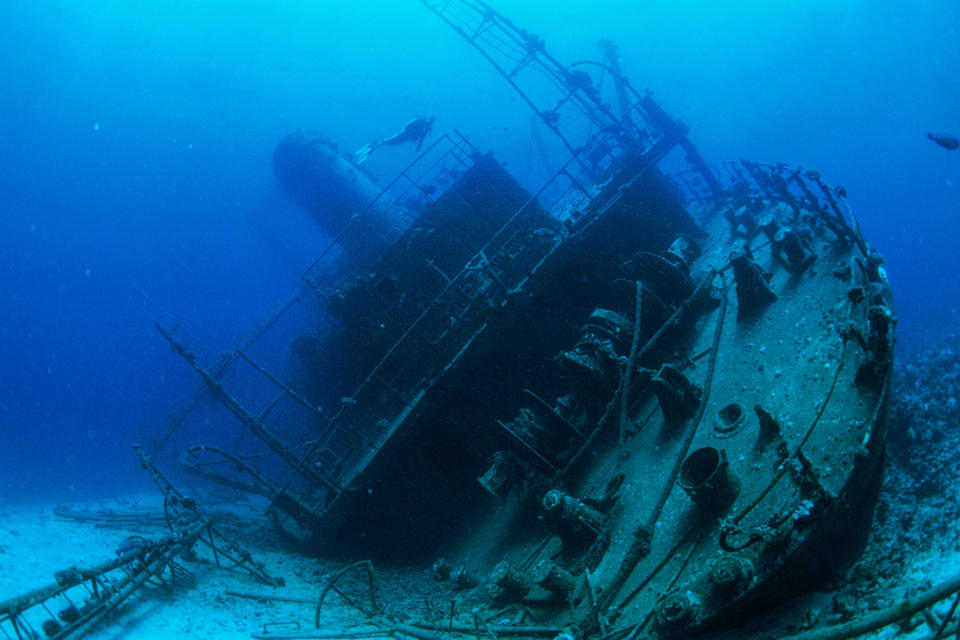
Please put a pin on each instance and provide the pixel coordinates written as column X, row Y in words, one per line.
column 34, row 544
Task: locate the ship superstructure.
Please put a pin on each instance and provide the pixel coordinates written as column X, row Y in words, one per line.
column 644, row 398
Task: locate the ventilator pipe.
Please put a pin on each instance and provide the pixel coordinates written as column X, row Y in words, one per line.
column 731, row 574
column 569, row 508
column 554, row 579
column 464, row 579
column 513, row 584
column 678, row 609
column 682, row 252
column 753, row 290
column 707, row 478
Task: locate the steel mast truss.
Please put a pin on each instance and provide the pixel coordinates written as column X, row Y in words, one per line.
column 564, row 98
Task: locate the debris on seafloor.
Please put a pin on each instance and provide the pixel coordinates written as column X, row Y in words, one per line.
column 111, row 517
column 82, row 598
column 442, row 623
column 647, row 399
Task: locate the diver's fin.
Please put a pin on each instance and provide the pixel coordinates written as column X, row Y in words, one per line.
column 364, row 152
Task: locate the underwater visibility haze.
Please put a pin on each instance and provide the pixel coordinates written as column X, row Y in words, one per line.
column 136, row 143
column 578, row 320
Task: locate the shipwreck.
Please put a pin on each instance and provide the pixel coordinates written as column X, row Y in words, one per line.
column 642, row 400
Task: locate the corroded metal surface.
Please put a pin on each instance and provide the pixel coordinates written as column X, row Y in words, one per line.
column 633, row 404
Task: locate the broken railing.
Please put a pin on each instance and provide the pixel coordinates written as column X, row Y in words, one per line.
column 800, row 188
column 320, row 465
column 183, row 511
column 420, row 183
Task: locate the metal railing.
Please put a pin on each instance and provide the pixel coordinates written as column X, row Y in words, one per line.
column 564, row 98
column 801, row 188
column 420, row 183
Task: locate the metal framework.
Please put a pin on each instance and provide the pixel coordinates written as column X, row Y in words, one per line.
column 565, row 98
column 80, row 599
column 438, row 165
column 549, row 88
column 313, row 473
column 794, row 185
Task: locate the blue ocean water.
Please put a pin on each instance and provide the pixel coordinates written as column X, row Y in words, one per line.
column 136, row 139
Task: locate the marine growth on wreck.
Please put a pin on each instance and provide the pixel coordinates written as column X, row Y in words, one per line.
column 647, row 399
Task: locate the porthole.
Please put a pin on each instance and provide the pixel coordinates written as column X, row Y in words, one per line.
column 730, row 419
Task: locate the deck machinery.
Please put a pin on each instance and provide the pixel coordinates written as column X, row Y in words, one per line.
column 639, row 403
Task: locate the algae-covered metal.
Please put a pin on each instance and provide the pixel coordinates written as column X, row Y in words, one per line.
column 637, row 402
column 727, row 462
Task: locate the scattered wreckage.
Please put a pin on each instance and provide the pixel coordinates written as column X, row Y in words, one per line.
column 80, row 599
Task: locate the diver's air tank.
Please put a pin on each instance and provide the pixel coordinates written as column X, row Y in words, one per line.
column 338, row 194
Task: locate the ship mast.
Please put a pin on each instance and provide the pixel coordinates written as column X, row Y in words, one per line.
column 611, row 57
column 566, row 99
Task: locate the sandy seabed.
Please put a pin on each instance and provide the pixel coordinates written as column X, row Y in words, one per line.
column 35, row 543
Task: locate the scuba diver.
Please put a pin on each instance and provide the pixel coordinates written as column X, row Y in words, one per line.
column 416, row 130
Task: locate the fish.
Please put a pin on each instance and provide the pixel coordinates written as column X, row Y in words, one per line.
column 945, row 140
